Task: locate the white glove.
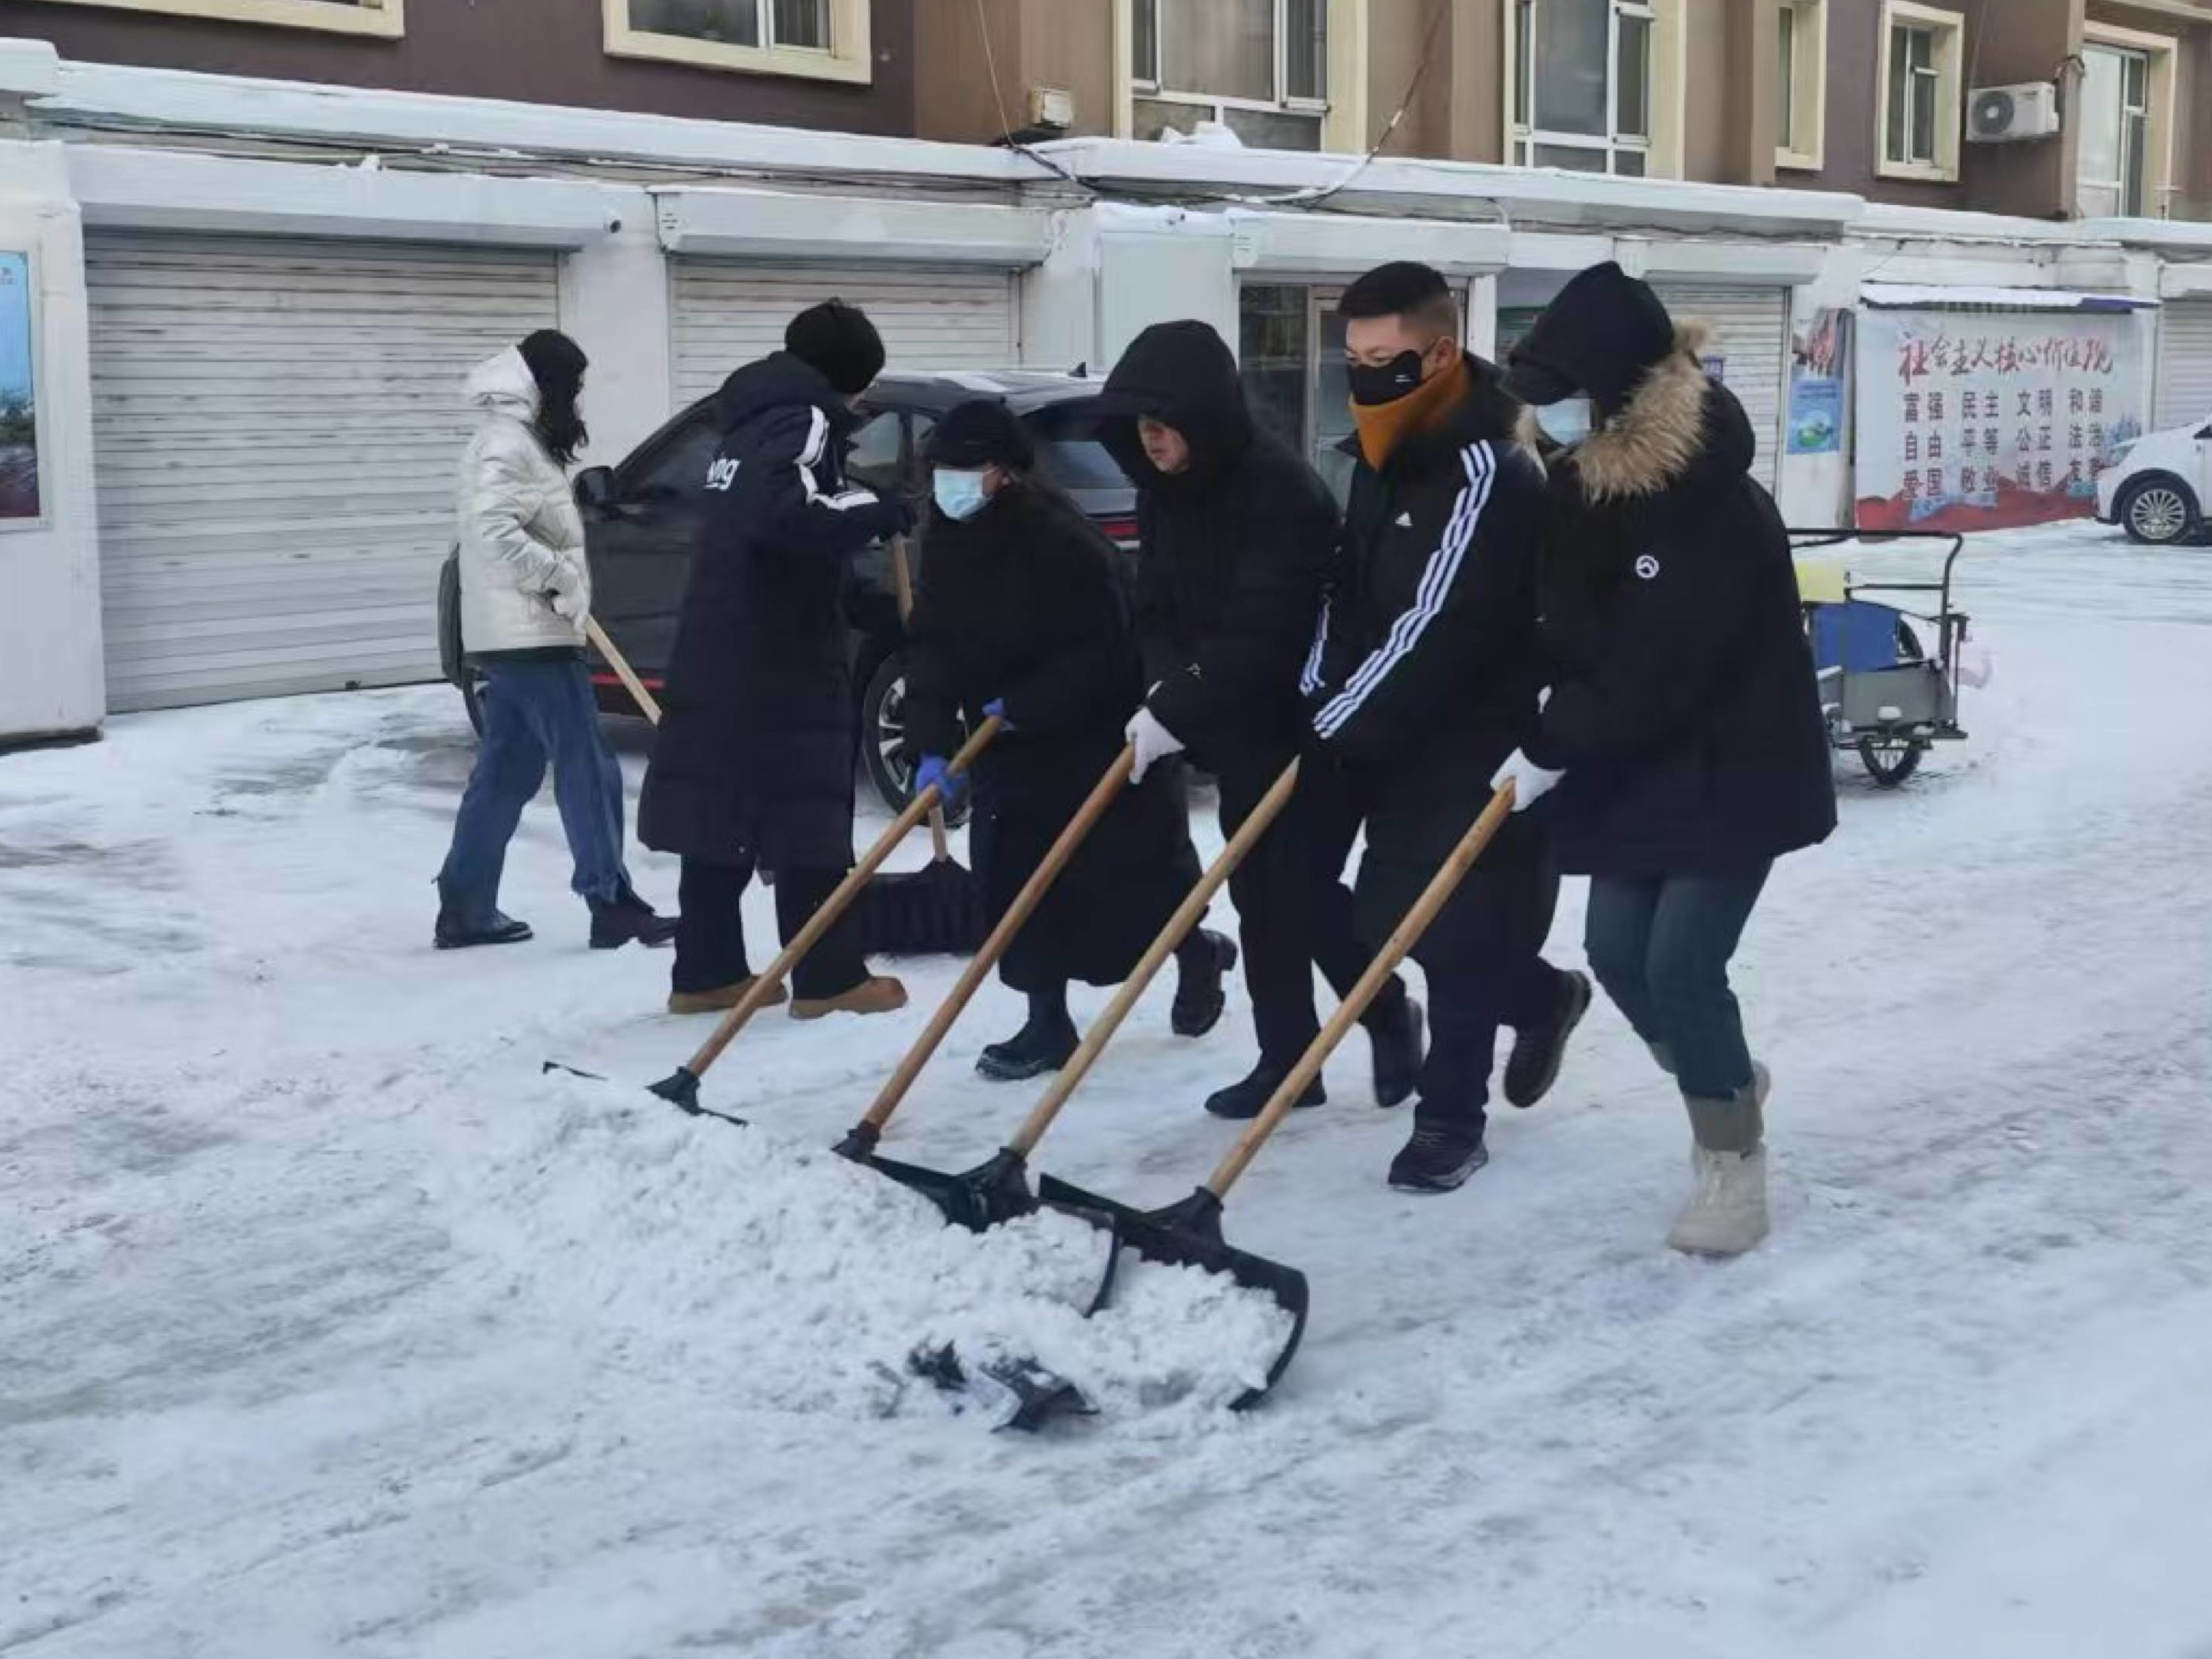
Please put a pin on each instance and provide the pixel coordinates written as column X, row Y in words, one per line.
column 1154, row 742
column 564, row 592
column 1531, row 781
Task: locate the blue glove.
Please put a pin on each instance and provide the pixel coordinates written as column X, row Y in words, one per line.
column 936, row 773
column 996, row 709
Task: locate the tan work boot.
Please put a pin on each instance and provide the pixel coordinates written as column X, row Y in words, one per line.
column 1727, row 1214
column 722, row 998
column 880, row 994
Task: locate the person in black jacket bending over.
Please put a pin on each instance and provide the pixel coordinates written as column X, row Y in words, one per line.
column 1424, row 675
column 1239, row 537
column 1684, row 729
column 753, row 764
column 1021, row 613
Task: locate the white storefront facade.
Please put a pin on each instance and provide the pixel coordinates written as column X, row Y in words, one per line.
column 247, row 363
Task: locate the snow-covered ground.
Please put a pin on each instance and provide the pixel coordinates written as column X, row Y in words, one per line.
column 329, row 1325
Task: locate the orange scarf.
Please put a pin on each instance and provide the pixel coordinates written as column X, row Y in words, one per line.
column 1382, row 426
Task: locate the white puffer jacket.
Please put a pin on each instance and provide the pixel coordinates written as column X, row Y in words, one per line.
column 518, row 525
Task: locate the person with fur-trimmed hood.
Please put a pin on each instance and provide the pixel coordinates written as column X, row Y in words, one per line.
column 1424, row 675
column 1683, row 732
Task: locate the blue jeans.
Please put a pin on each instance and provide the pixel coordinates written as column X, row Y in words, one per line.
column 533, row 713
column 1661, row 945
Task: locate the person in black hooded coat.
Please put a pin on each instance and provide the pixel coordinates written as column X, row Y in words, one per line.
column 1239, row 541
column 1020, row 612
column 752, row 765
column 1683, row 733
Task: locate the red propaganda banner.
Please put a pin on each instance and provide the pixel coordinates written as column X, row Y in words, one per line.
column 1987, row 419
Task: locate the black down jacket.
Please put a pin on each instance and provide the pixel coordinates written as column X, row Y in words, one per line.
column 755, row 753
column 1683, row 707
column 1425, row 673
column 1237, row 551
column 1021, row 604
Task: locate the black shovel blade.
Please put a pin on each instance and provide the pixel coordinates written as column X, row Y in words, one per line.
column 1188, row 1235
column 977, row 1198
column 980, row 1199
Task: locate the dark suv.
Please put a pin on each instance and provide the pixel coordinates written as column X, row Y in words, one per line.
column 641, row 518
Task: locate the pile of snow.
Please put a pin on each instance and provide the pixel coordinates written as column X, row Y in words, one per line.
column 784, row 1278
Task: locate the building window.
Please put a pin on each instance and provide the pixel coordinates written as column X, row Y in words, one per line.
column 2125, row 112
column 823, row 40
column 1801, row 43
column 1921, row 100
column 1259, row 67
column 385, row 18
column 1583, row 86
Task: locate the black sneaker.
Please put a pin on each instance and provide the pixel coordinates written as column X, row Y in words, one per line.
column 454, row 933
column 1397, row 1040
column 1537, row 1052
column 1437, row 1159
column 1248, row 1098
column 1199, row 998
column 616, row 922
column 1030, row 1052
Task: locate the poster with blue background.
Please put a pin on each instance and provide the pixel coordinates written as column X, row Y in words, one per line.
column 20, row 500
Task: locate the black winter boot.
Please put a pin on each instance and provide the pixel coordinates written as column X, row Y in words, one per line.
column 618, row 920
column 1439, row 1158
column 455, row 932
column 1248, row 1099
column 1201, row 963
column 1395, row 1037
column 1043, row 1044
column 1538, row 1051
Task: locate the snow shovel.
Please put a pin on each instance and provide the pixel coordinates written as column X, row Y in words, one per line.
column 681, row 1086
column 861, row 1141
column 1188, row 1234
column 936, row 910
column 624, row 671
column 998, row 1190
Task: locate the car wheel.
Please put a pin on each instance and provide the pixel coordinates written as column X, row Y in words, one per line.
column 883, row 754
column 2159, row 511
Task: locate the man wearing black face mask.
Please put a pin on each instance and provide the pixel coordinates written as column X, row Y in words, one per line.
column 1239, row 538
column 1424, row 675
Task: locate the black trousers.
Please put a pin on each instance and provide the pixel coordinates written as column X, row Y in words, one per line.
column 710, row 934
column 1484, row 962
column 1294, row 912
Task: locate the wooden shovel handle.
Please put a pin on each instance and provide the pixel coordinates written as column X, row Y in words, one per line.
column 1408, row 932
column 903, row 586
column 1177, row 929
column 979, row 968
column 620, row 664
column 825, row 917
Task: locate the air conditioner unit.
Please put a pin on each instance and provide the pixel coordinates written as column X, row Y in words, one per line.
column 2001, row 115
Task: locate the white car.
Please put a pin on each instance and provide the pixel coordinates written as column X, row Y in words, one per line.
column 2157, row 488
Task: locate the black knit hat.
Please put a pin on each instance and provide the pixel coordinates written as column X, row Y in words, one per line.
column 1598, row 336
column 981, row 433
column 839, row 340
column 556, row 362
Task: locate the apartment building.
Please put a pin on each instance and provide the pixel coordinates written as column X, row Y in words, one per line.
column 263, row 238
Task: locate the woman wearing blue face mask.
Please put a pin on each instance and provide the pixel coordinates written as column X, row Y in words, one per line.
column 1021, row 611
column 1684, row 732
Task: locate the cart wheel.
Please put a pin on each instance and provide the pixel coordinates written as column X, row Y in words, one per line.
column 1891, row 760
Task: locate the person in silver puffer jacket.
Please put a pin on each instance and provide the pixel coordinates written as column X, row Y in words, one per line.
column 526, row 593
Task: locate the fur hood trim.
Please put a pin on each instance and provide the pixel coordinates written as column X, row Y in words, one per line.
column 1658, row 435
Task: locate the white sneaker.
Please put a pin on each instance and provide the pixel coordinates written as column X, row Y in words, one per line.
column 1726, row 1215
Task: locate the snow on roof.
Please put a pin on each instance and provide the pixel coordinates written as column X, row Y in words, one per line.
column 1891, row 297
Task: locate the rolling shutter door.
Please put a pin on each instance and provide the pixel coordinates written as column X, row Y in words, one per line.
column 277, row 425
column 1751, row 327
column 2184, row 357
column 729, row 312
